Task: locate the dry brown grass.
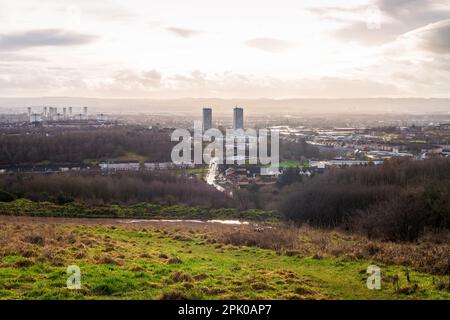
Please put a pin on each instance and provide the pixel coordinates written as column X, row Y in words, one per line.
column 174, row 260
column 173, row 295
column 180, row 276
column 430, row 254
column 275, row 238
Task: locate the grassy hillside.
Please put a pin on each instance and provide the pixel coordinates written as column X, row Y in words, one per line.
column 172, row 261
column 27, row 207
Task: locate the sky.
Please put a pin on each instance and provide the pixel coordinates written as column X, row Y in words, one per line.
column 225, row 49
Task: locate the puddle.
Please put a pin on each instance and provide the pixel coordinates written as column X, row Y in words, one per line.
column 229, row 222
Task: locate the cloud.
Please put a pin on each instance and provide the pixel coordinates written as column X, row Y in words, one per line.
column 240, row 85
column 360, row 33
column 19, row 58
column 414, row 13
column 269, row 44
column 43, row 37
column 127, row 78
column 338, row 14
column 17, row 79
column 182, row 32
column 434, row 37
column 40, row 80
column 396, row 17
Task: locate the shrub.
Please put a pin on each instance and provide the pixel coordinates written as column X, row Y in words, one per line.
column 6, row 196
column 404, row 217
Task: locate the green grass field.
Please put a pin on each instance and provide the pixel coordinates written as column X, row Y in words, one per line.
column 199, row 173
column 127, row 156
column 293, row 164
column 156, row 261
column 25, row 207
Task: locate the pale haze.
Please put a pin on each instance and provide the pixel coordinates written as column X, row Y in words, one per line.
column 225, row 49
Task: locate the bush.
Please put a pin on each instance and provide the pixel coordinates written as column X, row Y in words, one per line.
column 406, row 216
column 62, row 199
column 6, row 196
column 329, row 205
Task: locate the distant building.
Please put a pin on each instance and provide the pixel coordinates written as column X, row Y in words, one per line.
column 381, row 155
column 238, row 118
column 342, row 163
column 35, row 118
column 207, row 119
column 165, row 165
column 49, row 117
column 121, row 166
column 101, row 117
column 152, row 166
column 230, row 171
column 433, row 152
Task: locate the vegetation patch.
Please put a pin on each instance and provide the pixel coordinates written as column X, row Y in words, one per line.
column 206, row 272
column 25, row 207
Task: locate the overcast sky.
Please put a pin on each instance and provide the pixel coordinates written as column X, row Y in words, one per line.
column 225, row 49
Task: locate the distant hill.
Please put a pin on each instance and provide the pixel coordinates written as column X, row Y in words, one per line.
column 223, row 106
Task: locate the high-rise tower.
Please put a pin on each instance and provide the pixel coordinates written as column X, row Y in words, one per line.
column 238, row 118
column 207, row 119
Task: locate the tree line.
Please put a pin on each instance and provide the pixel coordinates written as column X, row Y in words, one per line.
column 75, row 146
column 397, row 200
column 119, row 188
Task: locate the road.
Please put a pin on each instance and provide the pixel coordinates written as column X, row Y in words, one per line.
column 212, row 174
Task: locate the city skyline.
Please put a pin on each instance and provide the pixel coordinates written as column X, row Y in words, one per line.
column 175, row 49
